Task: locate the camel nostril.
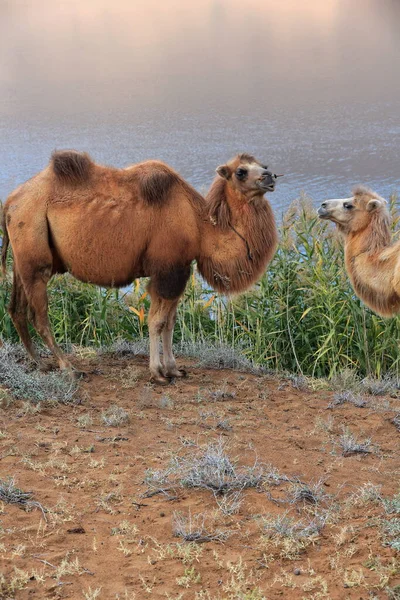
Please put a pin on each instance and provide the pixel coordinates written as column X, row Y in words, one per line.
column 323, row 205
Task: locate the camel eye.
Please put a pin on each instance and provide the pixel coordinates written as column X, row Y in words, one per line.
column 348, row 206
column 241, row 173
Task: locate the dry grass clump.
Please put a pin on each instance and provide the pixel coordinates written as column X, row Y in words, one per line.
column 312, row 493
column 348, row 397
column 33, row 385
column 349, row 444
column 10, row 494
column 217, row 356
column 209, row 468
column 193, row 528
column 379, row 387
column 212, row 469
column 115, row 416
column 396, row 422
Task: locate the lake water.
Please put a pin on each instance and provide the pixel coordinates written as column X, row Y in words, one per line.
column 311, row 87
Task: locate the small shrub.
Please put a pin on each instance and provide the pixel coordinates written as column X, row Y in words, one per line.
column 312, row 493
column 346, row 380
column 392, row 505
column 378, row 387
column 33, row 385
column 10, row 494
column 192, row 528
column 396, row 422
column 115, row 416
column 214, row 356
column 350, row 445
column 347, row 397
column 212, row 469
column 285, row 526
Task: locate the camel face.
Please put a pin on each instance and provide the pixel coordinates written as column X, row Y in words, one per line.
column 354, row 213
column 246, row 174
column 338, row 210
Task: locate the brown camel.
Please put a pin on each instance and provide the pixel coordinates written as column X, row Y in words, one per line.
column 109, row 226
column 372, row 262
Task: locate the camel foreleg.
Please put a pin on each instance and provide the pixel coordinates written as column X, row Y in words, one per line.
column 169, row 361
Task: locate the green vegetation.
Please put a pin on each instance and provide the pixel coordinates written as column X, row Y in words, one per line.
column 302, row 316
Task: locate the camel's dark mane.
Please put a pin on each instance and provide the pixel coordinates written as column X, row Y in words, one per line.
column 72, row 167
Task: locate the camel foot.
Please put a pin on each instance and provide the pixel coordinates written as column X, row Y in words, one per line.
column 176, row 373
column 159, row 378
column 76, row 374
column 43, row 367
column 70, row 370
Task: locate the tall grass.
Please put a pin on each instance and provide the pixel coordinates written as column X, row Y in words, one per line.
column 303, row 315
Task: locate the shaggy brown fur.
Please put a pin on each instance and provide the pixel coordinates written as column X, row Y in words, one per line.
column 72, row 168
column 233, row 263
column 109, row 226
column 372, row 263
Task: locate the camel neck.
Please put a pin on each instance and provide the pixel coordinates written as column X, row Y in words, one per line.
column 233, row 257
column 371, row 240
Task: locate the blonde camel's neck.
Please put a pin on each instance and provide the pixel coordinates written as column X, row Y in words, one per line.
column 371, row 240
column 237, row 243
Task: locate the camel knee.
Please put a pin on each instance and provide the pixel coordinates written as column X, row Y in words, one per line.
column 156, row 327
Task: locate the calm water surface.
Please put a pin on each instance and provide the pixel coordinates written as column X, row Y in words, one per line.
column 311, row 87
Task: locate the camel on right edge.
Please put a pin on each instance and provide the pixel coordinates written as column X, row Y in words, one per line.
column 372, row 261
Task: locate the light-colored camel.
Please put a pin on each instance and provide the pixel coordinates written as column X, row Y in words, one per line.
column 109, row 226
column 372, row 261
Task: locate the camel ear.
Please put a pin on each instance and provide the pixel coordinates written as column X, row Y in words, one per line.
column 224, row 171
column 373, row 205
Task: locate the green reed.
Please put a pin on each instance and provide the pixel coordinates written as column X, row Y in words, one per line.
column 301, row 317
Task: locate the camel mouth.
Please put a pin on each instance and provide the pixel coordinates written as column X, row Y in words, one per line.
column 266, row 187
column 323, row 213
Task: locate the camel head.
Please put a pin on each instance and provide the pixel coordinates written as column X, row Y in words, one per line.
column 248, row 176
column 354, row 213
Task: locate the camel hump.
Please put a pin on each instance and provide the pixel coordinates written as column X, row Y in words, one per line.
column 157, row 183
column 72, row 167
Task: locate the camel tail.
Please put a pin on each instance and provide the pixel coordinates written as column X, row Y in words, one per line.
column 71, row 167
column 5, row 242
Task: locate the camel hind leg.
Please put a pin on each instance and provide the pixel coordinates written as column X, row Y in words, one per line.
column 18, row 310
column 35, row 286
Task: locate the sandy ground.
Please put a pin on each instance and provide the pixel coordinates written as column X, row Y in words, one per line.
column 317, row 524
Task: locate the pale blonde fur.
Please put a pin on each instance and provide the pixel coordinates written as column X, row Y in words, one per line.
column 372, row 262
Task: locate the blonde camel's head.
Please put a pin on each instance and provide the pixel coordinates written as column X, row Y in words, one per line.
column 248, row 176
column 356, row 213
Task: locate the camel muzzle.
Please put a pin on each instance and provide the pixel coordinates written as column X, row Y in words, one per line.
column 323, row 212
column 268, row 181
